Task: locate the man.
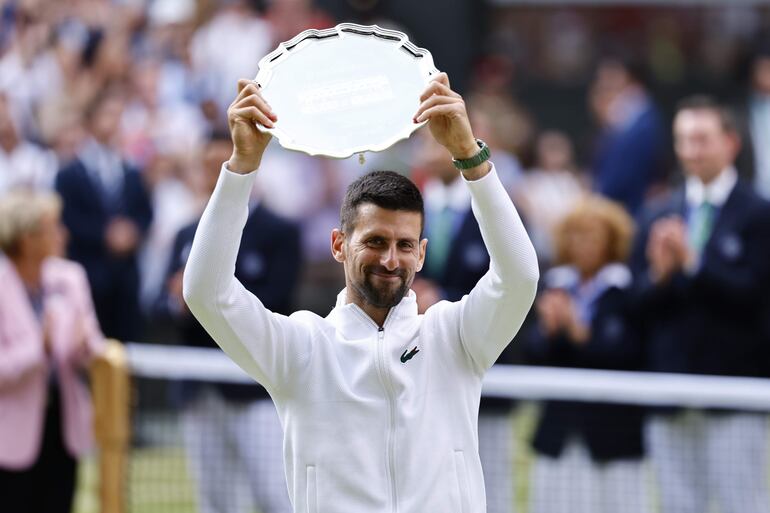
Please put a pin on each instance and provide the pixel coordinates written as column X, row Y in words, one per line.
column 107, row 211
column 702, row 267
column 232, row 431
column 457, row 260
column 629, row 153
column 378, row 404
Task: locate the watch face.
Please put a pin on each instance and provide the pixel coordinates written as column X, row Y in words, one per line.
column 344, row 90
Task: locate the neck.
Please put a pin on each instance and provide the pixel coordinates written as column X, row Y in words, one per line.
column 709, row 179
column 30, row 271
column 376, row 314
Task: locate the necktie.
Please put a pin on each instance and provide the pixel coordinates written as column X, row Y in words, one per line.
column 700, row 226
column 439, row 241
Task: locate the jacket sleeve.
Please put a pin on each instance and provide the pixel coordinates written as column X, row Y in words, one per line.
column 21, row 349
column 94, row 343
column 495, row 309
column 268, row 346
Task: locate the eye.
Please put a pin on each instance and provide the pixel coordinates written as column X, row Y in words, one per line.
column 375, row 241
column 405, row 244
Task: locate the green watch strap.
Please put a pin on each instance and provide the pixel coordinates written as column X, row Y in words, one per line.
column 481, row 157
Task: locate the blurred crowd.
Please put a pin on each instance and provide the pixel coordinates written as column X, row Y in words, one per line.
column 119, row 107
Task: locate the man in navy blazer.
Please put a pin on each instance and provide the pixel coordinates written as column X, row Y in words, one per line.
column 703, row 268
column 232, row 430
column 630, row 150
column 107, row 211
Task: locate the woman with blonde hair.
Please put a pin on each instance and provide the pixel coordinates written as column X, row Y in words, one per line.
column 589, row 456
column 48, row 335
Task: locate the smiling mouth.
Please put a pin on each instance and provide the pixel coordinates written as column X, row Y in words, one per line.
column 387, row 276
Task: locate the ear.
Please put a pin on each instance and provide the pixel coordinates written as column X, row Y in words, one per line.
column 338, row 245
column 423, row 248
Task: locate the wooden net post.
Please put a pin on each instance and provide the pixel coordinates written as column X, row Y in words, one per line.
column 110, row 384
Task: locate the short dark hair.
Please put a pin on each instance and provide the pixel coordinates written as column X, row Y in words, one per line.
column 386, row 189
column 708, row 103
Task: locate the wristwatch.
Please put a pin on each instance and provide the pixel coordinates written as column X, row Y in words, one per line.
column 481, row 157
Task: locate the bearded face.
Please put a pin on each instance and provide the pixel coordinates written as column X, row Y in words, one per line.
column 382, row 254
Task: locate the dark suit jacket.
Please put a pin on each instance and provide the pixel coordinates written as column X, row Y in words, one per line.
column 713, row 321
column 609, row 431
column 86, row 214
column 628, row 161
column 268, row 265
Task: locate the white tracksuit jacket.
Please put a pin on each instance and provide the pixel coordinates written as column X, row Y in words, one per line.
column 365, row 432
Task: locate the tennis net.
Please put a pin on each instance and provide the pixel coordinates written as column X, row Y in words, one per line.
column 199, row 439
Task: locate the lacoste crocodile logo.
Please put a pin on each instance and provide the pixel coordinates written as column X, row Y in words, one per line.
column 405, row 357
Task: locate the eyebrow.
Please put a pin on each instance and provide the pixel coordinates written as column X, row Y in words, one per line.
column 370, row 235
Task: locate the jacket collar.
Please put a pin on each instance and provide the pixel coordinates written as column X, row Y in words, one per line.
column 354, row 323
column 716, row 192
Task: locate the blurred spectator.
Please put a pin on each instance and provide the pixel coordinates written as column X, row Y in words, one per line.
column 589, row 455
column 456, row 259
column 48, row 336
column 22, row 164
column 549, row 191
column 174, row 205
column 154, row 123
column 28, row 69
column 703, row 269
column 235, row 25
column 308, row 191
column 630, row 149
column 107, row 210
column 507, row 130
column 290, row 17
column 232, row 431
column 759, row 120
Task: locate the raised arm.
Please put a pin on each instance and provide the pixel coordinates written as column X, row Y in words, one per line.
column 268, row 346
column 493, row 312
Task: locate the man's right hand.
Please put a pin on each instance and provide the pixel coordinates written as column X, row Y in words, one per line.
column 249, row 143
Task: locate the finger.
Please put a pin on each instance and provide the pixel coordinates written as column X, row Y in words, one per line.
column 259, row 102
column 442, row 78
column 436, row 87
column 432, row 102
column 246, row 88
column 242, row 83
column 452, row 110
column 253, row 115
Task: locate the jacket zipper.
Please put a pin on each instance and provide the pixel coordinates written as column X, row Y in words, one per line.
column 388, row 386
column 392, row 411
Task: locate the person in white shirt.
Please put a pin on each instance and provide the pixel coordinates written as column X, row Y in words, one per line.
column 378, row 404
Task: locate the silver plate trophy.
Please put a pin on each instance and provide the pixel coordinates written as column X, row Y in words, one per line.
column 344, row 90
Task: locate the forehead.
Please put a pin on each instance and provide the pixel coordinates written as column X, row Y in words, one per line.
column 697, row 120
column 398, row 224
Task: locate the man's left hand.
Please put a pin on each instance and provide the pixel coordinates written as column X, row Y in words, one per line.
column 448, row 120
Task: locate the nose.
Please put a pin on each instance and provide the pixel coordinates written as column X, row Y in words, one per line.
column 389, row 258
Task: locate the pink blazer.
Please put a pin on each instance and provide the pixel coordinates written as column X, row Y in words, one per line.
column 24, row 367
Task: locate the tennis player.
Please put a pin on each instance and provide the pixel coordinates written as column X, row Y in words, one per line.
column 379, row 405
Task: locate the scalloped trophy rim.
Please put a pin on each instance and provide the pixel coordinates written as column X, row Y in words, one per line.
column 286, row 48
